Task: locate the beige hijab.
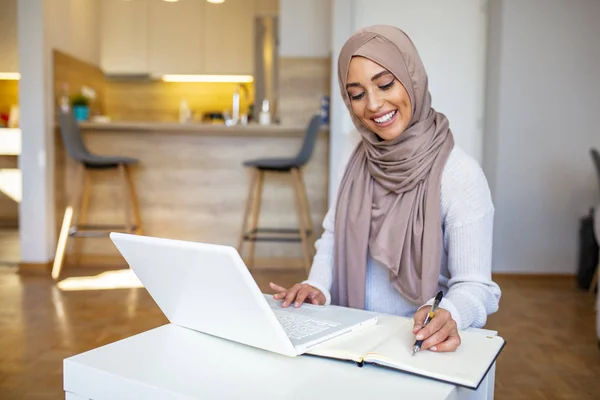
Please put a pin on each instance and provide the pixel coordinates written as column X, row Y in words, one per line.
column 389, row 198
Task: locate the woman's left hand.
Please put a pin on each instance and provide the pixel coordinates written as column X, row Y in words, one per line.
column 440, row 334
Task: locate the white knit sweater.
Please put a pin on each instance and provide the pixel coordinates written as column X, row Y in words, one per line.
column 467, row 214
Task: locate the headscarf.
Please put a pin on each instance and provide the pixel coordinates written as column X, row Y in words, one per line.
column 388, row 202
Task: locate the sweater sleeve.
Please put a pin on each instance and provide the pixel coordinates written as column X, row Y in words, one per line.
column 471, row 290
column 321, row 272
column 471, row 295
column 468, row 230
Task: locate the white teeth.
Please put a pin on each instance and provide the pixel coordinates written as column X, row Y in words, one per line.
column 385, row 118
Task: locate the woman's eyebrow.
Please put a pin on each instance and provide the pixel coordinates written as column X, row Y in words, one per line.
column 380, row 74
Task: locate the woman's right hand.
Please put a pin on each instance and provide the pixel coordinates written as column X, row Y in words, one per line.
column 298, row 294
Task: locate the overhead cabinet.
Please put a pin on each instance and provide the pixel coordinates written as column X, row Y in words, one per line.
column 186, row 37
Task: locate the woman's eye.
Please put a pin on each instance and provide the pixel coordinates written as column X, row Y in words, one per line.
column 387, row 85
column 358, row 96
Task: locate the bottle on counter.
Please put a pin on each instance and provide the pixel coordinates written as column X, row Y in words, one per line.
column 13, row 116
column 251, row 114
column 63, row 100
column 235, row 106
column 325, row 110
column 184, row 112
column 264, row 118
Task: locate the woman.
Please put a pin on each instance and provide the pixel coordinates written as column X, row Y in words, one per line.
column 413, row 214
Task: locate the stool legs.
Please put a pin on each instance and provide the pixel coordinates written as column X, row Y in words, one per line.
column 303, row 197
column 85, row 201
column 75, row 215
column 255, row 216
column 134, row 202
column 300, row 210
column 63, row 236
column 249, row 201
column 127, row 205
column 81, row 217
column 250, row 219
column 253, row 204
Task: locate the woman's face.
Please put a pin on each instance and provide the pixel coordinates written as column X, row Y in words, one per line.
column 378, row 99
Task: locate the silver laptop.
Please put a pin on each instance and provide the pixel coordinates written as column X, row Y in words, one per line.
column 208, row 288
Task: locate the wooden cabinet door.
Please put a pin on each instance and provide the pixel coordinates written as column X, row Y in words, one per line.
column 123, row 33
column 176, row 37
column 229, row 37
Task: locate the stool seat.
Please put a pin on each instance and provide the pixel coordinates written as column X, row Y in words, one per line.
column 94, row 161
column 273, row 164
column 78, row 151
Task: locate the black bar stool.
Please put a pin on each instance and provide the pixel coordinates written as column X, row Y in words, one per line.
column 305, row 233
column 73, row 224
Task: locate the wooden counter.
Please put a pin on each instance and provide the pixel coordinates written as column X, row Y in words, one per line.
column 251, row 129
column 191, row 183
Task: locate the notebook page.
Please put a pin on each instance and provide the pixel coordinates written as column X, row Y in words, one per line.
column 355, row 345
column 465, row 366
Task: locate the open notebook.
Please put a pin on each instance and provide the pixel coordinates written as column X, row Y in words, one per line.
column 390, row 342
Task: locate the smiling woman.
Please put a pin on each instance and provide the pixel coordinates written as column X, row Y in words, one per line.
column 414, row 214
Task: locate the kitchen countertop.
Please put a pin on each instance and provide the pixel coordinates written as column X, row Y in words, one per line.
column 198, row 128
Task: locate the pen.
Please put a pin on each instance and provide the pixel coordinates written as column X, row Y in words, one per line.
column 434, row 306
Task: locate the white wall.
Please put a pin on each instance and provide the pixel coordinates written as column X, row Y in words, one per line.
column 8, row 36
column 543, row 104
column 340, row 124
column 36, row 207
column 451, row 39
column 70, row 26
column 304, row 28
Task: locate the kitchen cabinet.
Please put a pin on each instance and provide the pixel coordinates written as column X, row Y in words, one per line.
column 185, row 37
column 123, row 37
column 267, row 7
column 176, row 37
column 229, row 37
column 8, row 37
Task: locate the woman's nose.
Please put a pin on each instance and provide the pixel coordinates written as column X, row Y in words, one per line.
column 374, row 102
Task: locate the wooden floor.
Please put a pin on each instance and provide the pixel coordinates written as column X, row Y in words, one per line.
column 9, row 247
column 551, row 350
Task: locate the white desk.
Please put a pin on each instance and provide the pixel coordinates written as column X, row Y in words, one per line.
column 171, row 362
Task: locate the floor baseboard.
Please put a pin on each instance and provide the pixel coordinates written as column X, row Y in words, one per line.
column 530, row 275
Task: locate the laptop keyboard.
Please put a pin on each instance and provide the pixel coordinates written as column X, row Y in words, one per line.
column 299, row 326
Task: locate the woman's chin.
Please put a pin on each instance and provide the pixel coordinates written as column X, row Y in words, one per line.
column 389, row 133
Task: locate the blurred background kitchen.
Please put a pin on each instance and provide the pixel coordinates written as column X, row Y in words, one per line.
column 190, row 88
column 193, row 89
